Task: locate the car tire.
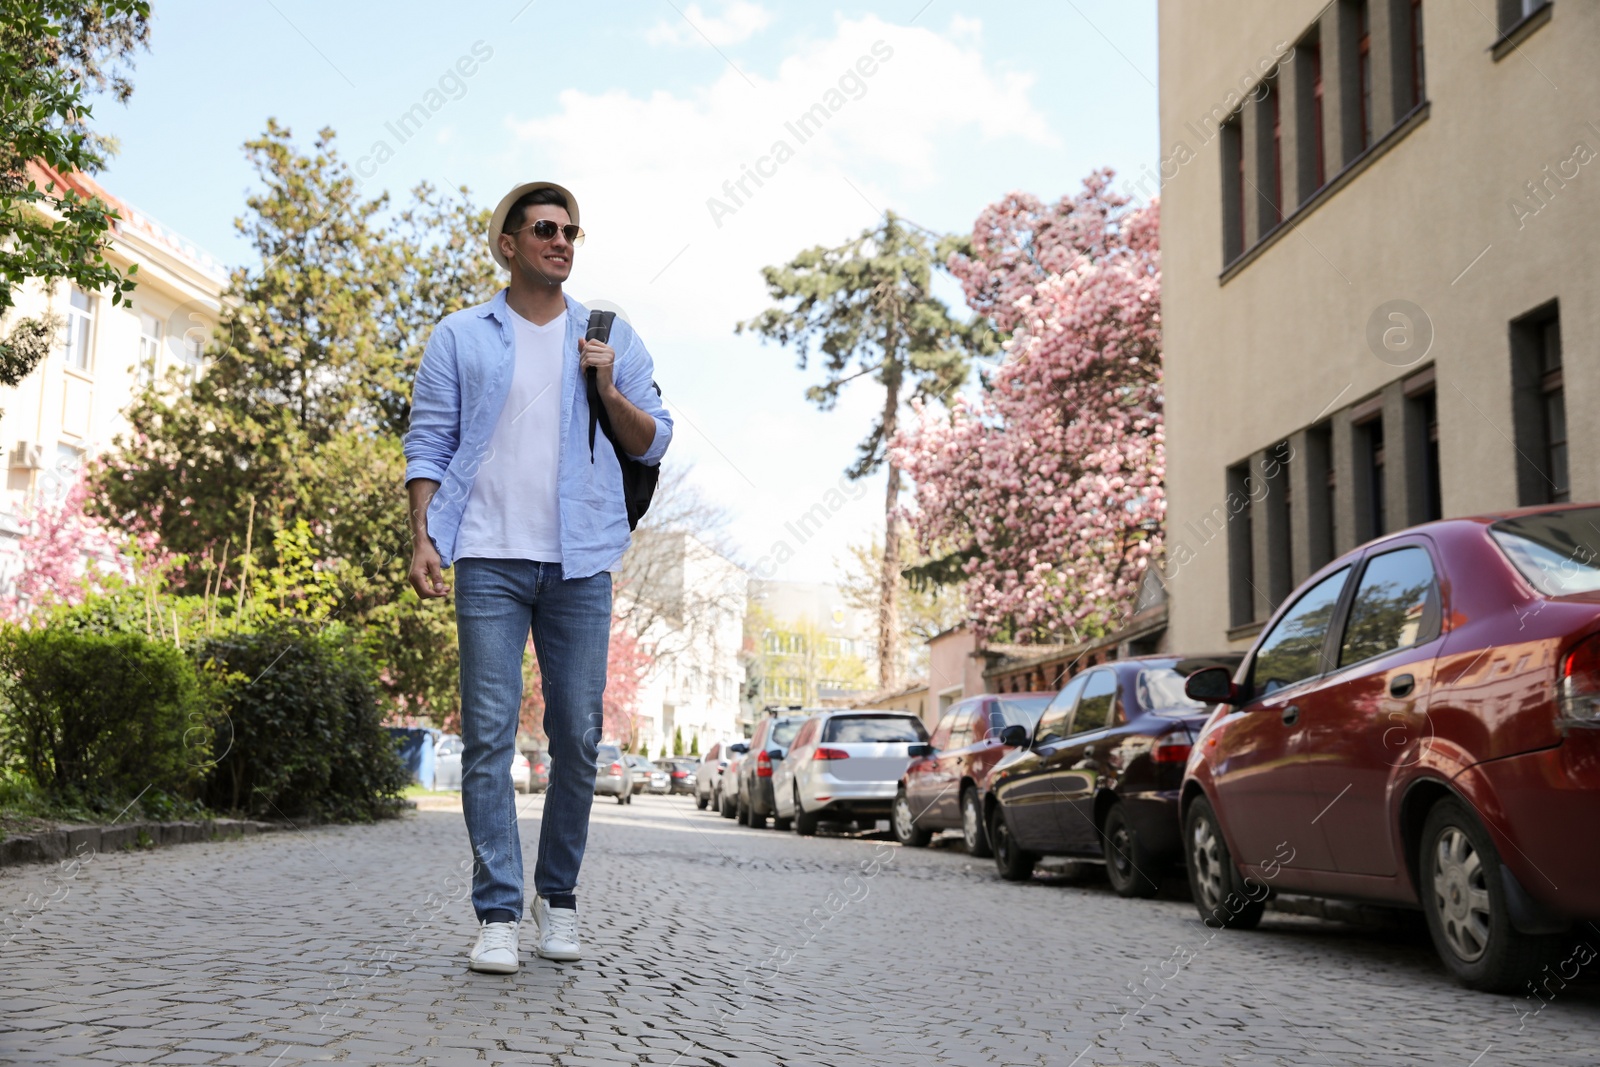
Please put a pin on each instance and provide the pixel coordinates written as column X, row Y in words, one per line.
column 904, row 824
column 972, row 828
column 782, row 822
column 1213, row 878
column 630, row 799
column 1130, row 869
column 1465, row 902
column 755, row 819
column 1014, row 863
column 741, row 811
column 702, row 801
column 727, row 808
column 621, row 799
column 805, row 823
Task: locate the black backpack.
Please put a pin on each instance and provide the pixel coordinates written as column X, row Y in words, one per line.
column 638, row 479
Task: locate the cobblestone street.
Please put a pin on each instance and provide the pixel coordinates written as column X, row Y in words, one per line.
column 349, row 944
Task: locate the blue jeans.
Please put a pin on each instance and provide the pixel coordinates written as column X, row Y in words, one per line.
column 498, row 602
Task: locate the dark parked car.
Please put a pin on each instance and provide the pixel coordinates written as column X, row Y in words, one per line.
column 1100, row 775
column 944, row 790
column 680, row 773
column 1418, row 725
column 768, row 744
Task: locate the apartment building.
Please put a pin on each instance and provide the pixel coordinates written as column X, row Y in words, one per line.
column 71, row 407
column 1381, row 294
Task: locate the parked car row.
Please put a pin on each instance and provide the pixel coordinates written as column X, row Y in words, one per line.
column 1418, row 725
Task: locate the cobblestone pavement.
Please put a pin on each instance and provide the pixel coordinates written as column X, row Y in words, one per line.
column 349, row 944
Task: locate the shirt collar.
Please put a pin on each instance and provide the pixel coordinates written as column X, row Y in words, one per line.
column 497, row 310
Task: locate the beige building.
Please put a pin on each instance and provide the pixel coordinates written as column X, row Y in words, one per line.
column 71, row 407
column 1381, row 287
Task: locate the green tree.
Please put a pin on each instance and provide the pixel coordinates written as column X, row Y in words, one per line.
column 868, row 308
column 677, row 741
column 53, row 55
column 926, row 608
column 297, row 419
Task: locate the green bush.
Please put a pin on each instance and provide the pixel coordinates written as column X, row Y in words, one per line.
column 301, row 734
column 97, row 715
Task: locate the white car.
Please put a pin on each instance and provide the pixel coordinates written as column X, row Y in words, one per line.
column 708, row 775
column 845, row 766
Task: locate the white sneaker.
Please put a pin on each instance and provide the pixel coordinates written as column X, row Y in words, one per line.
column 558, row 931
column 496, row 950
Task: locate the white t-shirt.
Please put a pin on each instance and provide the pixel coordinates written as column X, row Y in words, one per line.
column 514, row 511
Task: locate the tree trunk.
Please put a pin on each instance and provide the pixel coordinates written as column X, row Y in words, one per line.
column 889, row 580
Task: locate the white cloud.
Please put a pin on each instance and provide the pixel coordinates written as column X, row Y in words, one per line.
column 643, row 169
column 739, row 21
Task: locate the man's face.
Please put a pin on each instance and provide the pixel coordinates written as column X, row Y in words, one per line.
column 549, row 261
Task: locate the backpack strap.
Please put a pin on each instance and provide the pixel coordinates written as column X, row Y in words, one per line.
column 599, row 330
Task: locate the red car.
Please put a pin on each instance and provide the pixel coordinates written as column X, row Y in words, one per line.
column 1418, row 725
column 944, row 789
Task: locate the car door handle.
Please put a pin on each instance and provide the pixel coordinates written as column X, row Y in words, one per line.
column 1291, row 715
column 1401, row 685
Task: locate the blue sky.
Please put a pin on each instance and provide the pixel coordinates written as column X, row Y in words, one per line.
column 645, row 110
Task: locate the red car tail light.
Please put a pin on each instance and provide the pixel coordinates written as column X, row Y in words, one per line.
column 764, row 765
column 680, row 774
column 539, row 767
column 1578, row 691
column 830, row 753
column 1174, row 748
column 616, row 768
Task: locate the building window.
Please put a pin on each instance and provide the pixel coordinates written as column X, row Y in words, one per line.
column 1539, row 408
column 1319, row 170
column 1364, row 70
column 1279, row 507
column 1233, row 187
column 1372, row 519
column 1419, row 79
column 1241, row 590
column 1422, row 456
column 1275, row 102
column 77, row 336
column 1319, row 510
column 149, row 348
column 1514, row 12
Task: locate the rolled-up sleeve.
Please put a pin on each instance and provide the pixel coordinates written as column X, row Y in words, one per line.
column 635, row 377
column 434, row 433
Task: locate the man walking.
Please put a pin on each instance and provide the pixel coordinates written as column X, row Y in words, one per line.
column 502, row 483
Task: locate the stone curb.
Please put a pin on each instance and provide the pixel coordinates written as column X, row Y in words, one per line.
column 53, row 846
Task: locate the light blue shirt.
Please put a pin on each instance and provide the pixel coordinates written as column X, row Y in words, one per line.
column 456, row 401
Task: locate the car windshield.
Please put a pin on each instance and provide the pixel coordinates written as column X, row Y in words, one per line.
column 1021, row 711
column 871, row 729
column 450, row 746
column 608, row 754
column 1557, row 552
column 1161, row 689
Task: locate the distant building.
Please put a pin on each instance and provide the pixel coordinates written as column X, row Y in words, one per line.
column 686, row 604
column 71, row 407
column 1380, row 295
column 810, row 645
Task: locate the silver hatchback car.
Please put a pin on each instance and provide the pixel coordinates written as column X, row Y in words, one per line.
column 844, row 765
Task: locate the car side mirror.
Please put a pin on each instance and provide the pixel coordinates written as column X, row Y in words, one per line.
column 739, row 749
column 776, row 756
column 1213, row 685
column 1014, row 736
column 919, row 751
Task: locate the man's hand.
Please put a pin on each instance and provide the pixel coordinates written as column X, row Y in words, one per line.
column 635, row 430
column 602, row 357
column 427, row 571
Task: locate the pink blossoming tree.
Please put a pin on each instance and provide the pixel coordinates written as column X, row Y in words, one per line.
column 1045, row 493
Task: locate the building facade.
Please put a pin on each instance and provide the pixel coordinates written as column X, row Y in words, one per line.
column 810, row 645
column 1381, row 301
column 685, row 603
column 71, row 407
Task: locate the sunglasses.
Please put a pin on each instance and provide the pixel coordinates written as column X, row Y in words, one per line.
column 545, row 230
